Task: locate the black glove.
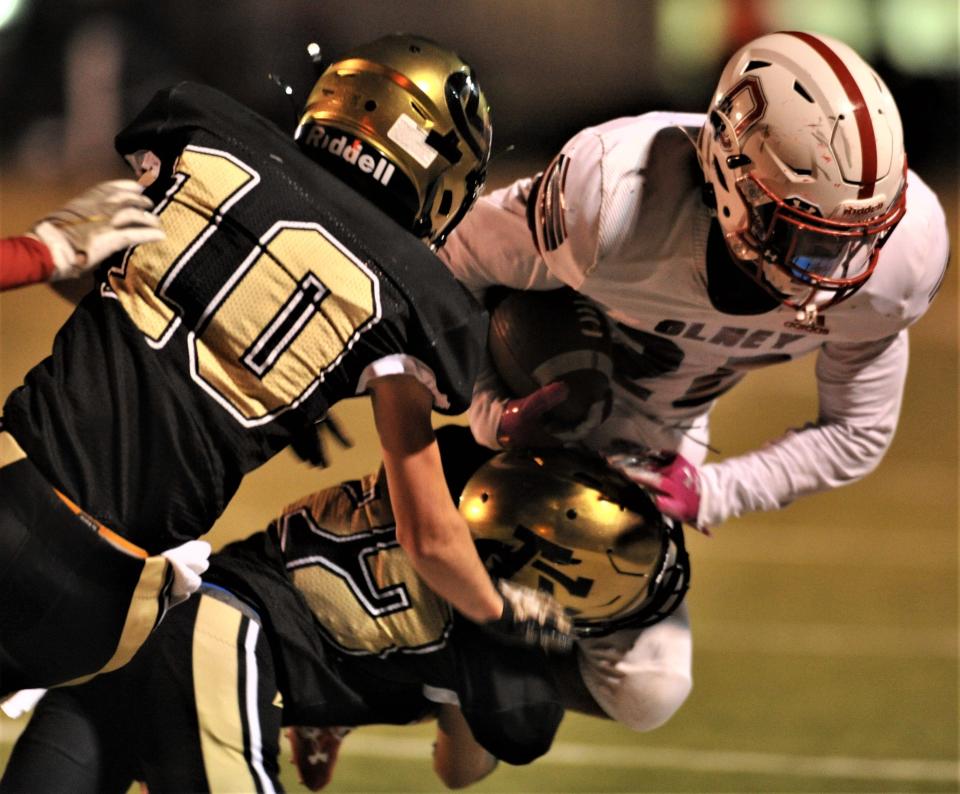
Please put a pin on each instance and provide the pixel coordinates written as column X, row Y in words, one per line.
column 531, row 617
column 308, row 444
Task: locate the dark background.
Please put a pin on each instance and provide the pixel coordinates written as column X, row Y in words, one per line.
column 73, row 71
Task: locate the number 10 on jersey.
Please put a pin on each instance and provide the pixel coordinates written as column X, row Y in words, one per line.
column 282, row 314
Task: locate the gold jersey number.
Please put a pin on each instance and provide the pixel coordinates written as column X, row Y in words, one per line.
column 290, row 309
column 341, row 550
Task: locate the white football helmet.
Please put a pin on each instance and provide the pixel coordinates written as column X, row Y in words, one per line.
column 803, row 150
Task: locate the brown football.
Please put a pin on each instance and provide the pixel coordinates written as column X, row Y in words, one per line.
column 539, row 337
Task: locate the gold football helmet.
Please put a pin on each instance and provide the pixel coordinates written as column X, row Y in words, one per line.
column 403, row 120
column 567, row 523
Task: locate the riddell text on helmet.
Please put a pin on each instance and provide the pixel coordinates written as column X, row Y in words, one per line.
column 378, row 167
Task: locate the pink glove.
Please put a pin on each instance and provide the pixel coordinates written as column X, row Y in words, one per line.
column 521, row 425
column 672, row 480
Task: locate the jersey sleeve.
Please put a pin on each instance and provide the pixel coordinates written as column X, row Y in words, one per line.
column 169, row 120
column 445, row 343
column 23, row 260
column 567, row 208
column 151, row 129
column 493, row 245
column 913, row 263
column 860, row 388
column 402, row 364
column 538, row 233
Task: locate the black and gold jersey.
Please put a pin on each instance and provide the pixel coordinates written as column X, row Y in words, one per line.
column 339, row 546
column 358, row 635
column 198, row 357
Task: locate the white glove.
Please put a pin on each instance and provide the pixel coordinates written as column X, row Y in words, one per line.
column 107, row 218
column 21, row 702
column 187, row 561
column 531, row 617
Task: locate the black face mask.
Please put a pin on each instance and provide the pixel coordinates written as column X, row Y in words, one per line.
column 731, row 290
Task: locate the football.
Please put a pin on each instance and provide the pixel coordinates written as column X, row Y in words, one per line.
column 559, row 335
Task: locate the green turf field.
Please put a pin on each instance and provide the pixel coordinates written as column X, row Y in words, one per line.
column 825, row 635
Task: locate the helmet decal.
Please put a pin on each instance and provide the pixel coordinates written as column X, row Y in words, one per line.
column 742, row 107
column 463, row 102
column 549, row 559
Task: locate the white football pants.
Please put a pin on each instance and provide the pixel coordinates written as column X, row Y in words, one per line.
column 640, row 677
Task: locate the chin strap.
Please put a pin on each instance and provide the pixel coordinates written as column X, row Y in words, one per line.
column 807, row 314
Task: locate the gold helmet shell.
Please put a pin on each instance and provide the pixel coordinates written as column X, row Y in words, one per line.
column 403, row 120
column 567, row 523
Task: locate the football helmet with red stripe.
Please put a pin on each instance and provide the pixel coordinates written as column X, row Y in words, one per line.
column 803, row 153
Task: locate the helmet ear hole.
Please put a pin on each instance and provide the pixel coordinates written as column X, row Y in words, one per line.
column 370, row 106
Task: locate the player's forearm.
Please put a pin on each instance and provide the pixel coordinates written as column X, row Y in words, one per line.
column 814, row 459
column 451, row 568
column 429, row 527
column 861, row 390
column 444, row 556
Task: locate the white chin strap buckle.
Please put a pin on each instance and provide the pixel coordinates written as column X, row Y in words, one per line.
column 807, row 314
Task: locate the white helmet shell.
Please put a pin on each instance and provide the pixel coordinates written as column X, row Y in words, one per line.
column 803, row 148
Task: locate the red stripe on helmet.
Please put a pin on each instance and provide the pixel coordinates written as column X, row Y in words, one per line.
column 861, row 113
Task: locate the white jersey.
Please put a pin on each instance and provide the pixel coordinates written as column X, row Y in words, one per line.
column 619, row 217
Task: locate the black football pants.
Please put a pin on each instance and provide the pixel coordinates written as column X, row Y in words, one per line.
column 195, row 711
column 72, row 603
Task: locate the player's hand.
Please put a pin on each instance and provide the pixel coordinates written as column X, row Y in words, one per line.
column 522, row 422
column 309, row 445
column 672, row 480
column 22, row 702
column 107, row 218
column 187, row 562
column 531, row 617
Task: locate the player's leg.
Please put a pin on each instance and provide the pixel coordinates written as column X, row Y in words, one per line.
column 72, row 603
column 639, row 678
column 212, row 715
column 72, row 744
